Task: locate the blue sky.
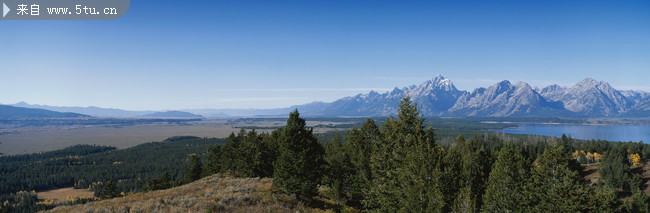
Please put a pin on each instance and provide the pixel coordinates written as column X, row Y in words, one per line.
column 267, row 54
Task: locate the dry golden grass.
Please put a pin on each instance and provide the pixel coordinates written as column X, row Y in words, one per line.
column 60, row 195
column 210, row 194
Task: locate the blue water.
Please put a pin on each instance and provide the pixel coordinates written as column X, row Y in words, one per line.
column 604, row 132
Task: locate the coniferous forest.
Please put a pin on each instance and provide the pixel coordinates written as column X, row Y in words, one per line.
column 396, row 164
column 399, row 166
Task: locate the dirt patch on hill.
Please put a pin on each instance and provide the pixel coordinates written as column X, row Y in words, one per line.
column 592, row 175
column 646, row 178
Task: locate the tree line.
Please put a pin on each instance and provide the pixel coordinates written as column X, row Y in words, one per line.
column 148, row 166
column 393, row 165
column 399, row 166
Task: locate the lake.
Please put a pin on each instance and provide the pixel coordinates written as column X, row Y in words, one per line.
column 604, row 132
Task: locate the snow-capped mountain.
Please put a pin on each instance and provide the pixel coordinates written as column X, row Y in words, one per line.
column 504, row 99
column 439, row 97
column 593, row 98
column 553, row 92
column 434, row 97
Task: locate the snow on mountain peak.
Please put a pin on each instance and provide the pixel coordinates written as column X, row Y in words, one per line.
column 586, row 83
column 439, row 82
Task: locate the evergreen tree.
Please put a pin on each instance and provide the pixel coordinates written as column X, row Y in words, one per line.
column 638, row 202
column 213, row 164
column 230, row 155
column 554, row 186
column 506, row 181
column 465, row 202
column 615, row 168
column 606, row 200
column 452, row 166
column 110, row 190
column 339, row 171
column 298, row 169
column 567, row 143
column 249, row 155
column 475, row 169
column 195, row 170
column 384, row 190
column 406, row 165
column 162, row 182
column 268, row 154
column 359, row 146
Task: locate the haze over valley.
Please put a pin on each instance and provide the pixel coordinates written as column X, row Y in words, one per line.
column 439, row 97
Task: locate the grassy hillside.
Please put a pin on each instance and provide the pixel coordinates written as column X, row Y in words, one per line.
column 210, row 194
column 215, row 194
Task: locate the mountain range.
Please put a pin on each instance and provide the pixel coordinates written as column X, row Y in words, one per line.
column 12, row 112
column 94, row 111
column 439, row 97
column 172, row 114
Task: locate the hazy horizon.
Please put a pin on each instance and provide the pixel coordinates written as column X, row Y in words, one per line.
column 362, row 91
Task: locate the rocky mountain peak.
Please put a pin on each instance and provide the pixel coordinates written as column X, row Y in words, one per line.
column 437, row 83
column 586, row 83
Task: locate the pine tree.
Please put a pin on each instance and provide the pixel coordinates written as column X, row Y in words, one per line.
column 405, row 165
column 339, row 171
column 506, row 181
column 554, row 186
column 605, row 199
column 298, row 169
column 213, row 164
column 615, row 169
column 195, row 170
column 268, row 154
column 465, row 202
column 566, row 142
column 638, row 202
column 452, row 166
column 230, row 154
column 359, row 146
column 165, row 181
column 162, row 182
column 384, row 162
column 110, row 190
column 250, row 155
column 475, row 169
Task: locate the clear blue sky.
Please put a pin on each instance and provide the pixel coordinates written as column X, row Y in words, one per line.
column 267, row 54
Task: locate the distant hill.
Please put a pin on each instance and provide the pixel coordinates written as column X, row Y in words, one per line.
column 12, row 112
column 207, row 112
column 94, row 111
column 172, row 114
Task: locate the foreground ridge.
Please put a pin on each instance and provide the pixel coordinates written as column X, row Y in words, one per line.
column 208, row 194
